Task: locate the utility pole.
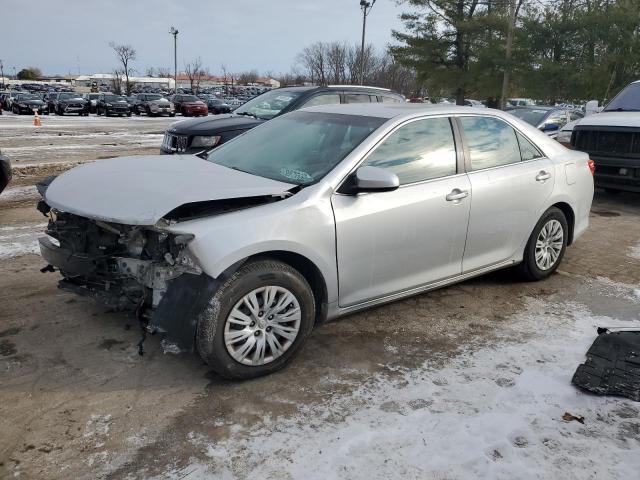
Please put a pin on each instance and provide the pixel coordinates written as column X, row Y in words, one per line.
column 366, row 7
column 173, row 31
column 513, row 11
column 2, row 73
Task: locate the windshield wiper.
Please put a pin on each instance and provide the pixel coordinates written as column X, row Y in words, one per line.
column 622, row 109
column 247, row 114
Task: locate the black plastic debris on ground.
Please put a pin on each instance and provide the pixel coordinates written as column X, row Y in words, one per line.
column 613, row 364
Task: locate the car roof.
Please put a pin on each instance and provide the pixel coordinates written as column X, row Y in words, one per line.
column 392, row 110
column 533, row 107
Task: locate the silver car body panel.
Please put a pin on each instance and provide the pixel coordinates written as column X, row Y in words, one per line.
column 368, row 249
column 141, row 190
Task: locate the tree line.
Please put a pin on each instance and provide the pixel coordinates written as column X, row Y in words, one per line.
column 552, row 50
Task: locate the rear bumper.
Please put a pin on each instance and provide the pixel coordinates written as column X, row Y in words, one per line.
column 617, row 173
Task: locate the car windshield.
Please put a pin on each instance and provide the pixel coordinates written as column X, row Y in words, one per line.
column 63, row 96
column 532, row 116
column 156, row 96
column 269, row 104
column 113, row 98
column 29, row 96
column 627, row 100
column 190, row 98
column 299, row 148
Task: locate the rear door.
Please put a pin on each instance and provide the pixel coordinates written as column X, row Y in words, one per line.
column 389, row 242
column 510, row 182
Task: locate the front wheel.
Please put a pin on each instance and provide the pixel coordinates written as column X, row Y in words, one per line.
column 546, row 246
column 256, row 321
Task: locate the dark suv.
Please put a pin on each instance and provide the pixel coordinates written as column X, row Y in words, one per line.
column 110, row 104
column 193, row 136
column 68, row 102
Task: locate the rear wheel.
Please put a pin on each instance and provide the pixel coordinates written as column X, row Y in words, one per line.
column 256, row 321
column 546, row 246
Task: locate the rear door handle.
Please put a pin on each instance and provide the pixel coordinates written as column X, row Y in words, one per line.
column 457, row 194
column 542, row 176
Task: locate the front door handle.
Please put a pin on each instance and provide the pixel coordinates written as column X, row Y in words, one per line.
column 456, row 195
column 542, row 176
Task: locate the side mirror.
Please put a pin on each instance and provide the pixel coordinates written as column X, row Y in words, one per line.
column 550, row 127
column 375, row 179
column 591, row 107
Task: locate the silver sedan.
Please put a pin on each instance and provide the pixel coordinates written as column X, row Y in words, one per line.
column 239, row 252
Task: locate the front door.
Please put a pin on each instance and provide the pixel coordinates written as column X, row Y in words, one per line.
column 388, row 242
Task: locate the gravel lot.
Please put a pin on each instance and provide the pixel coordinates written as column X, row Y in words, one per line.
column 469, row 381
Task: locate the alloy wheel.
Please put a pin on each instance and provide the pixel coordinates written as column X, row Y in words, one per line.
column 262, row 325
column 549, row 244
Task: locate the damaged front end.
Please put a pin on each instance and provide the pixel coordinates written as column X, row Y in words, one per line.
column 141, row 269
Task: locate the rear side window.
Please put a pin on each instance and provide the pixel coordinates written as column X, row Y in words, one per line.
column 323, row 99
column 527, row 150
column 491, row 142
column 418, row 151
column 357, row 98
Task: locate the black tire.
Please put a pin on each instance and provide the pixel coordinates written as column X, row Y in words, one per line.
column 172, row 114
column 60, row 112
column 529, row 269
column 136, row 111
column 211, row 323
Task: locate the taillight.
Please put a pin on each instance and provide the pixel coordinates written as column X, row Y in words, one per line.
column 592, row 166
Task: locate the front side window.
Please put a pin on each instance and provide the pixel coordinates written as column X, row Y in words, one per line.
column 421, row 150
column 299, row 148
column 323, row 99
column 491, row 142
column 386, row 99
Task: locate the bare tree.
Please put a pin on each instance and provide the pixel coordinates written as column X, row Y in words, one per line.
column 163, row 72
column 116, row 81
column 150, row 72
column 314, row 59
column 195, row 73
column 246, row 78
column 226, row 75
column 126, row 54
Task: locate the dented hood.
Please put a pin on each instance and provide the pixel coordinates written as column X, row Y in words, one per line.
column 140, row 190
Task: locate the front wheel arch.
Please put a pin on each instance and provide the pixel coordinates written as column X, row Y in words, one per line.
column 302, row 264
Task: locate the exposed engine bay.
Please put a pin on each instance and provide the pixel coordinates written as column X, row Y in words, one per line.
column 129, row 268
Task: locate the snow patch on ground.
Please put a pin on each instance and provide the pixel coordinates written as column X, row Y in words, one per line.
column 492, row 413
column 634, row 251
column 20, row 240
column 19, row 193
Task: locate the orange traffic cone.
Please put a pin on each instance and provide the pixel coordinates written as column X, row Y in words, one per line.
column 36, row 119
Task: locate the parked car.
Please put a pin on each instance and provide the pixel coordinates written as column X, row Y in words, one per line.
column 546, row 119
column 68, row 102
column 612, row 140
column 474, row 103
column 9, row 99
column 92, row 98
column 217, row 106
column 153, row 104
column 192, row 136
column 5, row 171
column 3, row 100
column 189, row 105
column 110, row 104
column 27, row 103
column 313, row 215
column 520, row 102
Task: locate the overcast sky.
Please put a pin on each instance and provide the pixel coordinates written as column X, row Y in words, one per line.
column 73, row 35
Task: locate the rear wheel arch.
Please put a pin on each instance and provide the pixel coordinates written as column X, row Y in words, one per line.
column 570, row 215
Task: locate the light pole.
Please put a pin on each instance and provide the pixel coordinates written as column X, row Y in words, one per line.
column 173, row 31
column 366, row 7
column 2, row 73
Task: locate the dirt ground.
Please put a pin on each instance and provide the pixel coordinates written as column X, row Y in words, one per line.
column 77, row 401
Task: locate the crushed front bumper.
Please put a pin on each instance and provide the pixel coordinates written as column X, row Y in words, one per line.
column 167, row 298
